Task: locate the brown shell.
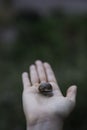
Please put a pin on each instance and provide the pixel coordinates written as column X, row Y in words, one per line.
column 45, row 89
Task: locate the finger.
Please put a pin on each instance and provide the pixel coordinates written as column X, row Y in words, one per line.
column 41, row 71
column 50, row 76
column 25, row 80
column 33, row 75
column 71, row 93
column 49, row 73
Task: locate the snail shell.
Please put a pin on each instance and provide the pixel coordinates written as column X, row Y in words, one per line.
column 45, row 89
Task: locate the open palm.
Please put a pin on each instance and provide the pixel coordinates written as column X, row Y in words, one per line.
column 38, row 106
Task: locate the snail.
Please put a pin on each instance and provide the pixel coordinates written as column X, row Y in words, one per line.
column 45, row 89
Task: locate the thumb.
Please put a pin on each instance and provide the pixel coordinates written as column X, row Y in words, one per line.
column 71, row 93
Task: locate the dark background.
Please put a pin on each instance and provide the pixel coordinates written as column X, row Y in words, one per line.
column 57, row 37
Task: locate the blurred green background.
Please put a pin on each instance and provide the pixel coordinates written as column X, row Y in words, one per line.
column 61, row 40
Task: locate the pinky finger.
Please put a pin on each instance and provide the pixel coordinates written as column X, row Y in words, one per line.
column 25, row 80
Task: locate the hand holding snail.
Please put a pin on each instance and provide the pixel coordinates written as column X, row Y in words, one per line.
column 43, row 100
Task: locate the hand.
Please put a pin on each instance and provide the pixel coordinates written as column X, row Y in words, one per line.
column 38, row 107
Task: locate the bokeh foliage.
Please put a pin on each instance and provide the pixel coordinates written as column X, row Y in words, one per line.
column 59, row 39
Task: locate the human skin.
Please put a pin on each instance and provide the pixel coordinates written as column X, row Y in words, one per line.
column 43, row 112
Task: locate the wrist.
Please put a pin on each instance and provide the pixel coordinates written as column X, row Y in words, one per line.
column 46, row 124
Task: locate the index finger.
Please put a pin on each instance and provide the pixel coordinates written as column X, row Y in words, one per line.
column 49, row 72
column 50, row 75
